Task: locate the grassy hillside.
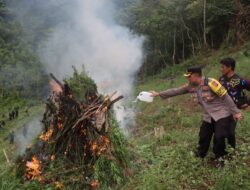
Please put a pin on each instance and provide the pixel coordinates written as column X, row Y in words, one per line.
column 168, row 162
column 7, row 170
column 164, row 162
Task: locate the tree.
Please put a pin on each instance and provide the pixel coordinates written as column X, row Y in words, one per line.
column 178, row 29
column 204, row 23
column 21, row 73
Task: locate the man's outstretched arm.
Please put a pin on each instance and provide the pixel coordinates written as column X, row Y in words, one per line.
column 171, row 92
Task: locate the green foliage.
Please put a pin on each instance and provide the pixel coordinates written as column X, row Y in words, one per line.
column 82, row 85
column 174, row 29
column 115, row 165
column 21, row 73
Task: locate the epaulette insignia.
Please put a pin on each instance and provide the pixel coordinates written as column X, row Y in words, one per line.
column 215, row 84
column 216, row 87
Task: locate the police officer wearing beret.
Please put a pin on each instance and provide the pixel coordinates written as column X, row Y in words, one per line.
column 219, row 110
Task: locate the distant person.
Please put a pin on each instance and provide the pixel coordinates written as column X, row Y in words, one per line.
column 12, row 137
column 10, row 116
column 235, row 86
column 25, row 131
column 3, row 123
column 16, row 109
column 13, row 113
column 219, row 110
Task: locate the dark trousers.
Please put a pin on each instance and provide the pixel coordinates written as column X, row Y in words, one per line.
column 231, row 136
column 221, row 129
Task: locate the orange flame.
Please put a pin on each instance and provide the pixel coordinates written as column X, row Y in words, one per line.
column 97, row 148
column 59, row 124
column 93, row 146
column 46, row 136
column 94, row 184
column 33, row 169
column 55, row 87
column 104, row 144
column 52, row 157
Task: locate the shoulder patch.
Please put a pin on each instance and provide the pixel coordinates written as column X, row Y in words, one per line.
column 215, row 84
column 216, row 87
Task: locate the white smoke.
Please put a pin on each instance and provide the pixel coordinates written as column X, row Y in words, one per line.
column 90, row 36
column 26, row 133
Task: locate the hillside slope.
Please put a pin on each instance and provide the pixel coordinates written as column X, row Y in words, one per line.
column 168, row 162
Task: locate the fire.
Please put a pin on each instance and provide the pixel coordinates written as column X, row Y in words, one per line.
column 94, row 184
column 59, row 185
column 46, row 136
column 33, row 169
column 55, row 87
column 52, row 157
column 97, row 148
column 104, row 144
column 90, row 98
column 59, row 124
column 93, row 147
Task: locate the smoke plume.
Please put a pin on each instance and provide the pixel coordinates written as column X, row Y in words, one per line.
column 85, row 32
column 26, row 133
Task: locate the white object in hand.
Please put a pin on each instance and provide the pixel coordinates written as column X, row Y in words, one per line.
column 145, row 97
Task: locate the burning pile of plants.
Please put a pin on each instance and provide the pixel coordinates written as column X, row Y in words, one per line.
column 81, row 144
